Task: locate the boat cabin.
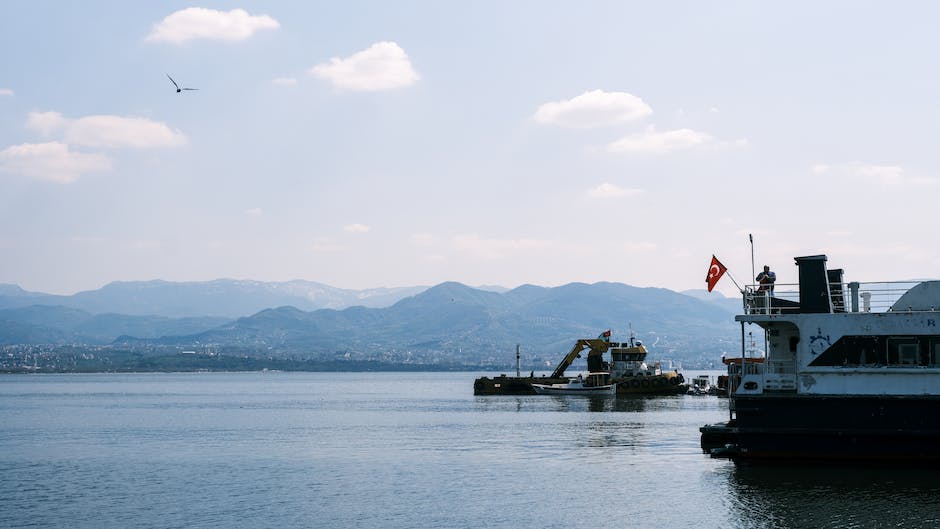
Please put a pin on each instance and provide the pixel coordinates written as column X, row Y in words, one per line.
column 884, row 334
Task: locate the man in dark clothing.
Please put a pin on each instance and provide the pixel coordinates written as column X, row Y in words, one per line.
column 766, row 280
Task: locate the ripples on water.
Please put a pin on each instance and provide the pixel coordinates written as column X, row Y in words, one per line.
column 399, row 450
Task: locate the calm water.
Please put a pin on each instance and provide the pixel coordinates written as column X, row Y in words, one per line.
column 397, row 450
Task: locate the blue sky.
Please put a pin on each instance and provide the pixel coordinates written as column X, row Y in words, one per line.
column 366, row 144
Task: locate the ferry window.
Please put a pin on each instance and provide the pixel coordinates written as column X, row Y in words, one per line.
column 935, row 352
column 903, row 351
column 854, row 351
column 907, row 354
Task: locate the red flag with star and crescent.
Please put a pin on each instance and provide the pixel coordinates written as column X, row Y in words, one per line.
column 715, row 271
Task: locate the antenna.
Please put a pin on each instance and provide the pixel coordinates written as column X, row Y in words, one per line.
column 753, row 274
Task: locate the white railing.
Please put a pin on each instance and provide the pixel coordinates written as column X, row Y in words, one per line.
column 758, row 301
column 855, row 297
column 879, row 297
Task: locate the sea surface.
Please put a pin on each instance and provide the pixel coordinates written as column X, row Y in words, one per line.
column 400, row 450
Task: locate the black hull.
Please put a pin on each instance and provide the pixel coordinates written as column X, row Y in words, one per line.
column 852, row 428
column 503, row 385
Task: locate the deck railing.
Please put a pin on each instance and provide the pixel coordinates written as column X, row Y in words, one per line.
column 846, row 297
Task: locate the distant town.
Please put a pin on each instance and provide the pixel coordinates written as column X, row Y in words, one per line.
column 108, row 358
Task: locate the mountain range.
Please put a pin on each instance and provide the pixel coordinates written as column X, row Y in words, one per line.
column 226, row 298
column 448, row 323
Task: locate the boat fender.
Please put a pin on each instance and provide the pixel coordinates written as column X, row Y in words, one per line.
column 674, row 381
column 646, row 383
column 635, row 383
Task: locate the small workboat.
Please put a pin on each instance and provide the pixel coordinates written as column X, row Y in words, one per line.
column 597, row 383
column 702, row 385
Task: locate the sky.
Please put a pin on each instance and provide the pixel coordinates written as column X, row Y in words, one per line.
column 384, row 144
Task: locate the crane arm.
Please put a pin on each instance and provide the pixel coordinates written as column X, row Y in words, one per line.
column 596, row 346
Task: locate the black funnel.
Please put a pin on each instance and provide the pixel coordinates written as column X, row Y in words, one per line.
column 814, row 284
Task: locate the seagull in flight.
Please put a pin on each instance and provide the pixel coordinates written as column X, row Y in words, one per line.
column 178, row 89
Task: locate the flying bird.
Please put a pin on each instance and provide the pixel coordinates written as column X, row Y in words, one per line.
column 178, row 89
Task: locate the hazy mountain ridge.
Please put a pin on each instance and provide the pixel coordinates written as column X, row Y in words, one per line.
column 449, row 322
column 457, row 323
column 229, row 298
column 39, row 324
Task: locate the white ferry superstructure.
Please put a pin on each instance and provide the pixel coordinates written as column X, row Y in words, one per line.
column 844, row 378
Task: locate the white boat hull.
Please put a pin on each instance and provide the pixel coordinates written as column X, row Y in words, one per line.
column 574, row 389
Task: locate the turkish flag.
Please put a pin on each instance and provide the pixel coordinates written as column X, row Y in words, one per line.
column 715, row 271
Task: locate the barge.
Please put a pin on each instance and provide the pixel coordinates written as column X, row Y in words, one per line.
column 627, row 369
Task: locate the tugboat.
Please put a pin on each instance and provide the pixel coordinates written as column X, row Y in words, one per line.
column 627, row 367
column 839, row 381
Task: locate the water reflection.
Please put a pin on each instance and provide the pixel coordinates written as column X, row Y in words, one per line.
column 582, row 403
column 832, row 496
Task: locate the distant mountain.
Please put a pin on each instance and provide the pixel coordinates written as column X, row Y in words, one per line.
column 449, row 323
column 41, row 324
column 226, row 298
column 732, row 305
column 452, row 322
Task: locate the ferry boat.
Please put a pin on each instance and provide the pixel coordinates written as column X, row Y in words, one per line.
column 840, row 380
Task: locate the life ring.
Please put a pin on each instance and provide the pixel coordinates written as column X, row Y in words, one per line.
column 646, row 383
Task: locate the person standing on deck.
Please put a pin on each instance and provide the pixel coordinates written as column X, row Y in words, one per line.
column 766, row 280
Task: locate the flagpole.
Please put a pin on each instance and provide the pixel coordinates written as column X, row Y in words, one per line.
column 731, row 277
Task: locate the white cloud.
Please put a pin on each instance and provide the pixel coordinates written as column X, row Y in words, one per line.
column 885, row 174
column 51, row 161
column 45, row 122
column 284, row 81
column 383, row 66
column 593, row 109
column 201, row 23
column 106, row 130
column 254, row 212
column 357, row 228
column 652, row 142
column 6, row 92
column 491, row 249
column 607, row 190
